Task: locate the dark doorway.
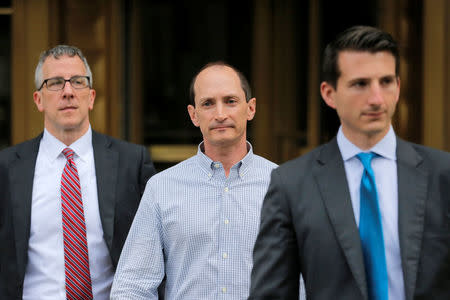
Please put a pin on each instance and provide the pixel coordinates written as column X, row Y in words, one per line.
column 178, row 38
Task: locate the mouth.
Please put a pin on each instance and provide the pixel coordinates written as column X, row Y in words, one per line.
column 374, row 114
column 221, row 127
column 68, row 108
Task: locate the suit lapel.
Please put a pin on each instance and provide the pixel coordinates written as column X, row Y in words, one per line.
column 106, row 168
column 334, row 187
column 22, row 175
column 412, row 191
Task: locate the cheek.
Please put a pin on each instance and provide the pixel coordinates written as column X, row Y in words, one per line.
column 347, row 111
column 394, row 98
column 242, row 116
column 49, row 107
column 392, row 106
column 89, row 102
column 201, row 123
column 203, row 129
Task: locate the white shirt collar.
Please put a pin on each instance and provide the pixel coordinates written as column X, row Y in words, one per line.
column 53, row 147
column 385, row 148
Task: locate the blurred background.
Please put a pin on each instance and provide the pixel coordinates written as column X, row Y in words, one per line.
column 143, row 55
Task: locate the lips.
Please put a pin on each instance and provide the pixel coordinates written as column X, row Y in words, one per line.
column 221, row 127
column 68, row 108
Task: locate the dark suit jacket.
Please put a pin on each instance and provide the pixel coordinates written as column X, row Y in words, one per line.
column 308, row 226
column 122, row 171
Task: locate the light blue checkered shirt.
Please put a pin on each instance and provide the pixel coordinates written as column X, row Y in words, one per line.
column 198, row 228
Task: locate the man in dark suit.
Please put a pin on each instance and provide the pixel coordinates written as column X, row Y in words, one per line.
column 355, row 228
column 68, row 196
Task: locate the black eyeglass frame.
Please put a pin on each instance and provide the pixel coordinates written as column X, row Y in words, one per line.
column 65, row 81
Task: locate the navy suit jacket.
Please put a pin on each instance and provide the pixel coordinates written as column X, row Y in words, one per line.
column 122, row 170
column 308, row 227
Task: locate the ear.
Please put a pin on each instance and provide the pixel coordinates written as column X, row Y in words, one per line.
column 92, row 94
column 37, row 97
column 251, row 109
column 327, row 92
column 193, row 115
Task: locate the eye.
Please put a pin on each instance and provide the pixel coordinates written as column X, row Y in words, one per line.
column 78, row 80
column 231, row 101
column 54, row 82
column 360, row 83
column 207, row 103
column 387, row 80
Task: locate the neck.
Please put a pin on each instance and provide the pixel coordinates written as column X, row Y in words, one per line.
column 67, row 137
column 227, row 155
column 365, row 141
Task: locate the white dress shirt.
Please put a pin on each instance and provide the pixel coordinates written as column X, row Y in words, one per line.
column 385, row 169
column 45, row 275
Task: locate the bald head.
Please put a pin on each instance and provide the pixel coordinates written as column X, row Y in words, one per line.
column 242, row 80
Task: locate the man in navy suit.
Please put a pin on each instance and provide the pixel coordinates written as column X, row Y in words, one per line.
column 312, row 214
column 112, row 177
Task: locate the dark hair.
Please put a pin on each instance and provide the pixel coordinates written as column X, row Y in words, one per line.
column 357, row 38
column 244, row 83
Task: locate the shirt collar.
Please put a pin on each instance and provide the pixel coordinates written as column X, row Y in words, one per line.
column 385, row 148
column 208, row 165
column 54, row 147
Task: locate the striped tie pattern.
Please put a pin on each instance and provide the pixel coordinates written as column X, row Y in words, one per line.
column 76, row 257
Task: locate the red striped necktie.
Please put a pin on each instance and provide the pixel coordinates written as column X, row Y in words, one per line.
column 76, row 257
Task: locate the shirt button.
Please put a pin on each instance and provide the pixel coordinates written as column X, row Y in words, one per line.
column 224, row 255
column 216, row 166
column 224, row 290
column 226, row 189
column 226, row 221
column 209, row 174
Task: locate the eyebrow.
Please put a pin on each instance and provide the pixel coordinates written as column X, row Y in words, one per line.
column 205, row 99
column 58, row 77
column 354, row 80
column 228, row 96
column 231, row 96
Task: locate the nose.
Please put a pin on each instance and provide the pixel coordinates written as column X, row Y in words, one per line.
column 220, row 112
column 67, row 90
column 376, row 95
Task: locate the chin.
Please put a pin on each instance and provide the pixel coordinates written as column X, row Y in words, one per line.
column 220, row 142
column 71, row 126
column 223, row 142
column 378, row 125
column 374, row 131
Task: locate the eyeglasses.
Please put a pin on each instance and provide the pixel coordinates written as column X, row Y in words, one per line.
column 58, row 83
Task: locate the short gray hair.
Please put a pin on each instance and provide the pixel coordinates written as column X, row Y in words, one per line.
column 57, row 52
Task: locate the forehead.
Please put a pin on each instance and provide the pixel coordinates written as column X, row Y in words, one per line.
column 217, row 80
column 366, row 64
column 64, row 66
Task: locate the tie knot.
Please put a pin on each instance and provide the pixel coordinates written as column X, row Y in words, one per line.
column 68, row 153
column 366, row 159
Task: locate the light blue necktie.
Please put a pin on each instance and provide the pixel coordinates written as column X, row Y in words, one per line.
column 371, row 233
